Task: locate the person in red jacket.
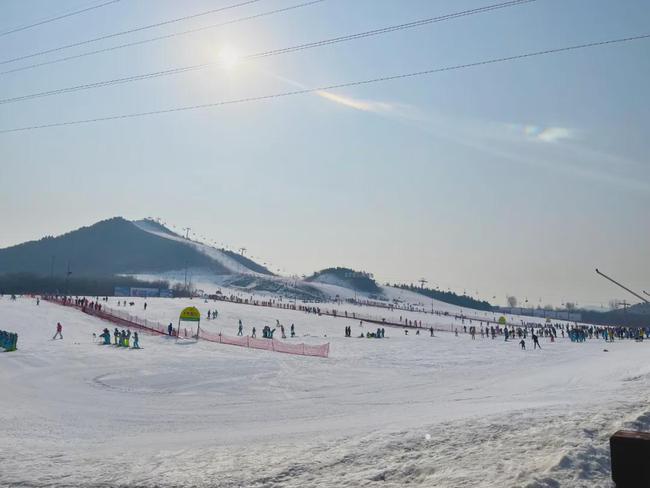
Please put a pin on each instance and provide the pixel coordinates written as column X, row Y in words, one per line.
column 59, row 330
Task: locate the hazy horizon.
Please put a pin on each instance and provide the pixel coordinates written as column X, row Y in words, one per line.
column 516, row 179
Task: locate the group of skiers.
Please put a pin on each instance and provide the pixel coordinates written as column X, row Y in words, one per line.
column 380, row 333
column 121, row 338
column 535, row 339
column 267, row 331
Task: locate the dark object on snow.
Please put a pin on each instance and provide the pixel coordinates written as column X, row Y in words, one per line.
column 630, row 452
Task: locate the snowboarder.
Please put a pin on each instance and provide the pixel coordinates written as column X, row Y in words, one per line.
column 106, row 335
column 59, row 330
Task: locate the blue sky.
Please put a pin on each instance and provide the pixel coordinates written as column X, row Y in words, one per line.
column 515, row 178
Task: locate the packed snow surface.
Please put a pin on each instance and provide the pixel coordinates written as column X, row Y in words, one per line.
column 414, row 410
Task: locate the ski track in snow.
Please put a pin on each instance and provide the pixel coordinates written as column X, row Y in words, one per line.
column 408, row 410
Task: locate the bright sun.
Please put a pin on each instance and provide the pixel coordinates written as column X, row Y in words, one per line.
column 229, row 57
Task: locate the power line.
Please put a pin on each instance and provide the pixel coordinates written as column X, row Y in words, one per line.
column 130, row 31
column 158, row 38
column 275, row 52
column 328, row 87
column 54, row 19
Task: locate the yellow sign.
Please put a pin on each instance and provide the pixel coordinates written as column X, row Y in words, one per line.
column 190, row 314
column 502, row 320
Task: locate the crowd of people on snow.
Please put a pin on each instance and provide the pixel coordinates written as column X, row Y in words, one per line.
column 474, row 327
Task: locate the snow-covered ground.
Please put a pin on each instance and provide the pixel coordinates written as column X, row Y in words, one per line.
column 443, row 411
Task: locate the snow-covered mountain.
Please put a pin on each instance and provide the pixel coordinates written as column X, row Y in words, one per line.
column 119, row 246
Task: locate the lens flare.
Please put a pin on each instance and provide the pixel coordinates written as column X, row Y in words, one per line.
column 229, row 58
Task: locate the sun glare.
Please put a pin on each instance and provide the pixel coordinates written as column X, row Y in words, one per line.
column 229, row 57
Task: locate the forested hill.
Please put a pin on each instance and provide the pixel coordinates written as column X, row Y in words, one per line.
column 106, row 248
column 448, row 297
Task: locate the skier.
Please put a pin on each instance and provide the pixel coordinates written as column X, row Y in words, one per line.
column 430, row 331
column 253, row 332
column 136, row 341
column 535, row 341
column 59, row 330
column 293, row 331
column 284, row 336
column 116, row 335
column 170, row 329
column 106, row 335
column 523, row 344
column 240, row 332
column 145, row 306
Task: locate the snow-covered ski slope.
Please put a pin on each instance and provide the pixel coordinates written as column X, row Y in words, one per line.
column 443, row 411
column 220, row 257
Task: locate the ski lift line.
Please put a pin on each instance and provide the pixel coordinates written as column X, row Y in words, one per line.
column 57, row 17
column 129, row 31
column 264, row 54
column 158, row 38
column 622, row 286
column 337, row 86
